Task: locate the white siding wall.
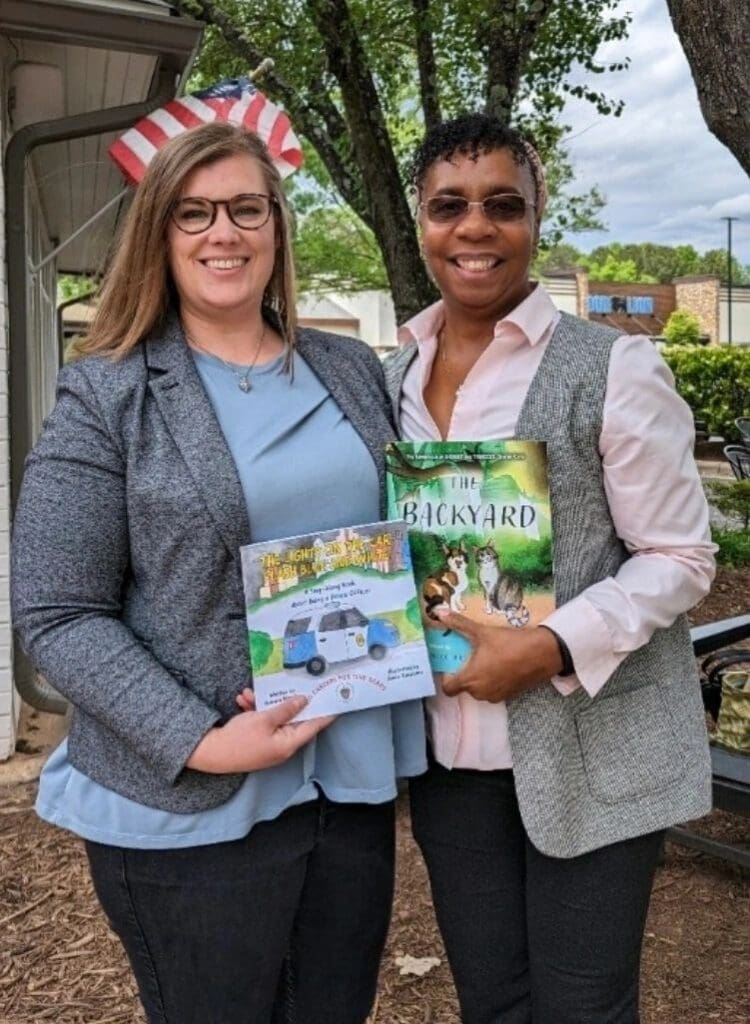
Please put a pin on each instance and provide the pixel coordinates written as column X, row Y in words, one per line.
column 42, row 334
column 371, row 310
column 740, row 316
column 9, row 703
column 375, row 314
column 564, row 293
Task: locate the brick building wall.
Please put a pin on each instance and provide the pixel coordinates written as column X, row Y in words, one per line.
column 700, row 296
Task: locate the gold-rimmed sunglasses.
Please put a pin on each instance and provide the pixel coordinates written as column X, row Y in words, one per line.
column 247, row 211
column 503, row 208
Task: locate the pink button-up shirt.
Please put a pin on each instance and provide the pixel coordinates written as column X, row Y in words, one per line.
column 652, row 486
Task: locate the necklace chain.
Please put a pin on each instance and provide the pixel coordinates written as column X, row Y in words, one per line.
column 441, row 346
column 449, row 367
column 243, row 376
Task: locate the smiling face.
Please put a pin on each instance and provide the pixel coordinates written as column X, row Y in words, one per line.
column 480, row 266
column 223, row 272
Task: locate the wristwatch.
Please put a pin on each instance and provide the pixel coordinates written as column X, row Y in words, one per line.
column 568, row 668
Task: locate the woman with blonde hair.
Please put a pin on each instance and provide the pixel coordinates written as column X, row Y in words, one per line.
column 245, row 863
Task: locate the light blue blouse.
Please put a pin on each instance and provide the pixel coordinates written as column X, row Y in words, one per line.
column 317, row 474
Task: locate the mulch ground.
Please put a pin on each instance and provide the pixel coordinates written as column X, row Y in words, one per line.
column 60, row 963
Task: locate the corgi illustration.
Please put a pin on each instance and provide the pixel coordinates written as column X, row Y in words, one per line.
column 502, row 596
column 447, row 586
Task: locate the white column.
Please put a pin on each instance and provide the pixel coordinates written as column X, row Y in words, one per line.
column 9, row 700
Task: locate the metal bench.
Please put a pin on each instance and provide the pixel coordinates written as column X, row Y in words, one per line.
column 731, row 772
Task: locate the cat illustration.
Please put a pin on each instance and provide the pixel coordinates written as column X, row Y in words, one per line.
column 447, row 586
column 502, row 595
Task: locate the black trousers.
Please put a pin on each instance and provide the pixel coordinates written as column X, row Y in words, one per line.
column 285, row 926
column 530, row 939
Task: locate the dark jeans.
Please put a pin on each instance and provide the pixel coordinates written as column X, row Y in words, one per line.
column 285, row 926
column 530, row 938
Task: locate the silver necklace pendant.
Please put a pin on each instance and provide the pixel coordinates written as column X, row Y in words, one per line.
column 243, row 379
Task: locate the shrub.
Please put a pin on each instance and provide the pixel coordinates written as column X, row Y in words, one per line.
column 715, row 383
column 682, row 328
column 734, row 548
column 732, row 499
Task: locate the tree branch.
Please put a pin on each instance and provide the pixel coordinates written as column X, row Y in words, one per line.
column 716, row 41
column 391, row 218
column 319, row 121
column 537, row 15
column 427, row 65
column 508, row 46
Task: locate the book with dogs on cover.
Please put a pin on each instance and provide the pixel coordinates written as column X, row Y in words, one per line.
column 480, row 532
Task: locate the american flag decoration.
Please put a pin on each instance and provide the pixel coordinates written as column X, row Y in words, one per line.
column 233, row 99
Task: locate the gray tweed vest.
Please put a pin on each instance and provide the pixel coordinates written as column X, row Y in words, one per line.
column 634, row 759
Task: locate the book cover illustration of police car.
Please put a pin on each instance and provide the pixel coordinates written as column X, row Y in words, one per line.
column 478, row 515
column 335, row 616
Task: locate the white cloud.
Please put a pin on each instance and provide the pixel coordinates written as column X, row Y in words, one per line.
column 666, row 177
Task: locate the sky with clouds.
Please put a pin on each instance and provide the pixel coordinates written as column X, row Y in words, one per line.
column 666, row 178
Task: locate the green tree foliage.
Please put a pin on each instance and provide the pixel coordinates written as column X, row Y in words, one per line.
column 567, row 212
column 660, row 263
column 643, row 262
column 734, row 547
column 529, row 561
column 682, row 328
column 361, row 78
column 563, row 258
column 72, row 286
column 261, row 649
column 663, row 263
column 715, row 262
column 613, row 269
column 714, row 381
column 334, row 251
column 427, row 553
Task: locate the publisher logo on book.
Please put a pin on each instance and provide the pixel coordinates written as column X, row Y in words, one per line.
column 345, row 692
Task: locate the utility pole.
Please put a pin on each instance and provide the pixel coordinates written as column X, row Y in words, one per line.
column 729, row 277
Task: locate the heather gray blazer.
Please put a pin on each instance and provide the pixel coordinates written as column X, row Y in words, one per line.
column 126, row 583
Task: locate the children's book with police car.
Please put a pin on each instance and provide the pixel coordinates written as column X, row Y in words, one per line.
column 478, row 515
column 334, row 616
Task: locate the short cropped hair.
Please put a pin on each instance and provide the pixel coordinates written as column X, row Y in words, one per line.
column 472, row 135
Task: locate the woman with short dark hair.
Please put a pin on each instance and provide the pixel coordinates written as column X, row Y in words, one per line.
column 559, row 753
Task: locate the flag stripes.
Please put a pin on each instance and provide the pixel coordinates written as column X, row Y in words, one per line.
column 233, row 100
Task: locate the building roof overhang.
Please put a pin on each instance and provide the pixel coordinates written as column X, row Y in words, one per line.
column 138, row 26
column 110, row 54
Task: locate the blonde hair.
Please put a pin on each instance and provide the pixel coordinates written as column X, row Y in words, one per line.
column 138, row 289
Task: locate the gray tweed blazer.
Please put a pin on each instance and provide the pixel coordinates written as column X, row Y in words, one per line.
column 126, row 582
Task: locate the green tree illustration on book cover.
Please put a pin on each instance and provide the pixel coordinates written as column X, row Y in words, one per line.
column 480, row 533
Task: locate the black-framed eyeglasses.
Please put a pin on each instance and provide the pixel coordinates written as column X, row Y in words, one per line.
column 248, row 211
column 503, row 208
